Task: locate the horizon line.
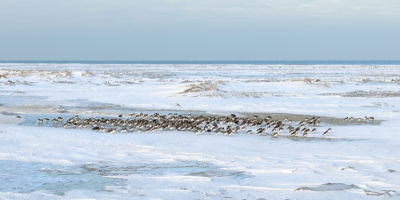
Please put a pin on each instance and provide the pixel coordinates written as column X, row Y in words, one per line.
column 261, row 62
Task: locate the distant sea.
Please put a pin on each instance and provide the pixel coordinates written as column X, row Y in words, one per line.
column 221, row 62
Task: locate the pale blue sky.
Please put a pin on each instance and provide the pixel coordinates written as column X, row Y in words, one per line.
column 200, row 30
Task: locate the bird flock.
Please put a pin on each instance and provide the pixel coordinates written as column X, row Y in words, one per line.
column 224, row 125
column 366, row 119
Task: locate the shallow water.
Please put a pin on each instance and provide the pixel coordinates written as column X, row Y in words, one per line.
column 26, row 177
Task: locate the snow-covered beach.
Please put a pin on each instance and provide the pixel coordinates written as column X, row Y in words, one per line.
column 356, row 160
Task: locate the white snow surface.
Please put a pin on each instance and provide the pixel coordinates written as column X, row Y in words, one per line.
column 357, row 160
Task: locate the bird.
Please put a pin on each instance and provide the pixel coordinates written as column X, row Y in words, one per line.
column 275, row 134
column 18, row 117
column 293, row 133
column 111, row 131
column 260, row 131
column 249, row 132
column 314, row 130
column 371, row 119
column 327, row 131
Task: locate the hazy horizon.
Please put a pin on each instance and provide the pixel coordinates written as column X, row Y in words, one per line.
column 200, row 30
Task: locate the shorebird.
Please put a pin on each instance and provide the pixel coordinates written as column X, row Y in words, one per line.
column 314, row 130
column 177, row 105
column 18, row 117
column 228, row 133
column 275, row 134
column 293, row 133
column 371, row 119
column 260, row 131
column 327, row 131
column 249, row 132
column 111, row 131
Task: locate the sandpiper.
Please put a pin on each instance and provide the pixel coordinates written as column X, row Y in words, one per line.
column 260, row 131
column 314, row 130
column 327, row 131
column 371, row 119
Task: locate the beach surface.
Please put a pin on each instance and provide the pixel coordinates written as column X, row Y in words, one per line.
column 358, row 159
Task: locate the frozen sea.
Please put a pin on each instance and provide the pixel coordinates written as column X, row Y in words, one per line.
column 356, row 160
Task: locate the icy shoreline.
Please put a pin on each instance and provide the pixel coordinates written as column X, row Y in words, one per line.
column 157, row 165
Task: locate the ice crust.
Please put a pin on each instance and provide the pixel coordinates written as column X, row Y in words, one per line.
column 49, row 162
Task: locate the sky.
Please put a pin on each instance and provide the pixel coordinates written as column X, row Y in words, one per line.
column 200, row 30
